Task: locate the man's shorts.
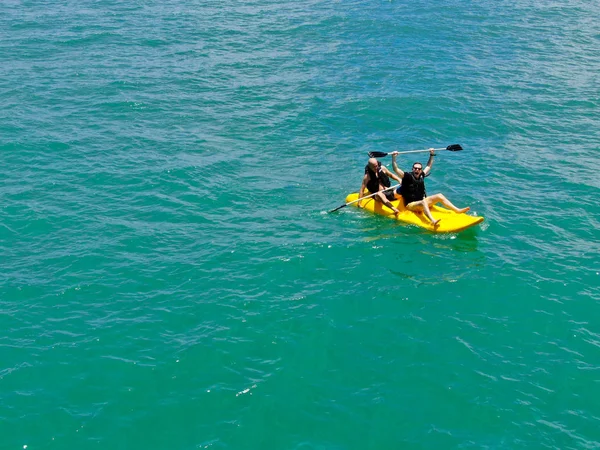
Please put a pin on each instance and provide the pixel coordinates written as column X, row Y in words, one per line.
column 390, row 195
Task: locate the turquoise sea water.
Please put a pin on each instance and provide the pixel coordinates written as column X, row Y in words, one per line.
column 169, row 276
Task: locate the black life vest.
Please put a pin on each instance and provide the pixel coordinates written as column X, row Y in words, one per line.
column 376, row 178
column 413, row 189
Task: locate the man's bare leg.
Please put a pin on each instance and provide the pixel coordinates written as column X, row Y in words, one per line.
column 447, row 203
column 423, row 206
column 383, row 199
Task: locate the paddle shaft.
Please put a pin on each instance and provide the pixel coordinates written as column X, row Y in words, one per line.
column 367, row 196
column 452, row 148
column 421, row 151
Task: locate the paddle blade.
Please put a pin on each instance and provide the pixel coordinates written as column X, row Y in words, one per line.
column 339, row 207
column 454, row 148
column 379, row 154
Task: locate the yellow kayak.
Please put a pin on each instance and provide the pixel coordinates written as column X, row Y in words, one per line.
column 451, row 222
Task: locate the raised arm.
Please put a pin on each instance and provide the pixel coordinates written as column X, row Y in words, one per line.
column 392, row 175
column 429, row 162
column 399, row 171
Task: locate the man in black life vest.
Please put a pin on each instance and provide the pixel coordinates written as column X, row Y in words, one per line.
column 413, row 189
column 376, row 179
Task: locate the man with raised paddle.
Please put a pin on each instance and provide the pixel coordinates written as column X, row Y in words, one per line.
column 413, row 193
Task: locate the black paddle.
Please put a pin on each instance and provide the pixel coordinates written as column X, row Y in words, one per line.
column 452, row 148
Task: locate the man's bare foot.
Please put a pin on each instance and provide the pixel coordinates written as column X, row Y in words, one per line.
column 396, row 211
column 436, row 223
column 464, row 210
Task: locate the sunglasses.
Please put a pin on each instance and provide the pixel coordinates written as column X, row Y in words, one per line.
column 417, row 168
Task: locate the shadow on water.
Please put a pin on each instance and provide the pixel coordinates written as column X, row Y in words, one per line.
column 445, row 258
